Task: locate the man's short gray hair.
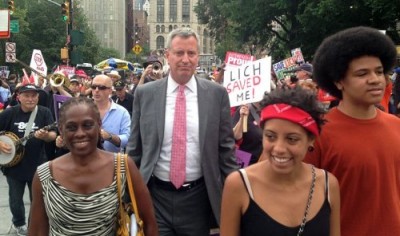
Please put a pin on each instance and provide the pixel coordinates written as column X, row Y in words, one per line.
column 185, row 32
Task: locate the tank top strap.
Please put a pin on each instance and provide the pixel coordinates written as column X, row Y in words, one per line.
column 246, row 181
column 326, row 186
column 44, row 171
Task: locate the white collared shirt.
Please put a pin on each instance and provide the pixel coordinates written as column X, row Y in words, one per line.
column 193, row 164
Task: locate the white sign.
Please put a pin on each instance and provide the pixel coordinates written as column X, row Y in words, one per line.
column 4, row 73
column 249, row 82
column 298, row 55
column 10, row 57
column 4, row 23
column 10, row 47
column 10, row 52
column 38, row 63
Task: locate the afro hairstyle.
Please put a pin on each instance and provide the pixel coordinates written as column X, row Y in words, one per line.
column 333, row 56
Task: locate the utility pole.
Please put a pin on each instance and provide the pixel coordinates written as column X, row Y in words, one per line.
column 55, row 3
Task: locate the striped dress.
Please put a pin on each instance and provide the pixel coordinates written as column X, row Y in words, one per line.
column 72, row 213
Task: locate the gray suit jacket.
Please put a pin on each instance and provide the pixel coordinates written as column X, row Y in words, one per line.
column 215, row 130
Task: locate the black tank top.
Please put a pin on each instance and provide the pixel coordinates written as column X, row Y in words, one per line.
column 255, row 221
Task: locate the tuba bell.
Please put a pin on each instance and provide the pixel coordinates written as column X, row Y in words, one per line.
column 59, row 79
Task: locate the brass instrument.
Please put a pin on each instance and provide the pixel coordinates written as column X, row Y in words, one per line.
column 157, row 68
column 25, row 65
column 58, row 79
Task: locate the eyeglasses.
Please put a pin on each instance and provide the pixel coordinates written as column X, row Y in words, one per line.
column 100, row 87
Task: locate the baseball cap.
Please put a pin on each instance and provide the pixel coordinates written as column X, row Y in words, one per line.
column 150, row 60
column 74, row 78
column 27, row 88
column 306, row 67
column 119, row 84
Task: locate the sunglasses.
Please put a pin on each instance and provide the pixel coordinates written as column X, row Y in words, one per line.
column 100, row 87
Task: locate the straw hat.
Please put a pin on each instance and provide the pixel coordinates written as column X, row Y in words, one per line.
column 114, row 74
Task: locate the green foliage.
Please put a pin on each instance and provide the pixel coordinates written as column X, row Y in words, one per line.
column 132, row 57
column 41, row 27
column 105, row 53
column 281, row 25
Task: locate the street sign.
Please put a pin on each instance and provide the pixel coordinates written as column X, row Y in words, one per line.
column 10, row 52
column 14, row 26
column 137, row 49
column 4, row 24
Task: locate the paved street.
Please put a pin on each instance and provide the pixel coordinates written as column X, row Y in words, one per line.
column 5, row 214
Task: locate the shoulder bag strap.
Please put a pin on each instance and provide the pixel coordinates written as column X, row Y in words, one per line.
column 131, row 190
column 29, row 125
column 118, row 177
column 254, row 113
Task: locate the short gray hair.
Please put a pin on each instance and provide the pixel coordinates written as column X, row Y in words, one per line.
column 185, row 32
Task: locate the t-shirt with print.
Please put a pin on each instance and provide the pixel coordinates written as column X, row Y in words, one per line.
column 15, row 120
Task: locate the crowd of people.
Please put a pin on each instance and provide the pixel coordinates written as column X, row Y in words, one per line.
column 322, row 146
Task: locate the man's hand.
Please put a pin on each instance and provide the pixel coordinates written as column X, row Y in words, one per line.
column 244, row 110
column 41, row 134
column 5, row 147
column 59, row 142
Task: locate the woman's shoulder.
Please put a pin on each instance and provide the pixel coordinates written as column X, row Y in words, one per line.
column 327, row 179
column 43, row 171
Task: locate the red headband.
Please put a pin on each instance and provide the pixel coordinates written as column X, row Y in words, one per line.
column 290, row 113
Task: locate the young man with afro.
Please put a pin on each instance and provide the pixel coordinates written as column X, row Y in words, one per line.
column 359, row 143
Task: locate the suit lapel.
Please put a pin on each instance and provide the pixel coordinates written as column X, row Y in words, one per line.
column 160, row 100
column 204, row 102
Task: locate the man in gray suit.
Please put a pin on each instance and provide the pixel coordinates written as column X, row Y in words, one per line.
column 184, row 201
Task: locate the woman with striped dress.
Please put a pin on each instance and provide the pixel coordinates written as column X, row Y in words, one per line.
column 76, row 194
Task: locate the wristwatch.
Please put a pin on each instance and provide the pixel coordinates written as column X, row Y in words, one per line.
column 109, row 138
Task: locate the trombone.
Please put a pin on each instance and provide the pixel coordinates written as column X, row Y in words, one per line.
column 57, row 79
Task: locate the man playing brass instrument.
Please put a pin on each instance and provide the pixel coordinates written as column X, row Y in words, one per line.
column 152, row 70
column 16, row 120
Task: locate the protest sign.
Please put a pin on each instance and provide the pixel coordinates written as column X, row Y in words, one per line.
column 58, row 101
column 284, row 66
column 242, row 158
column 280, row 68
column 70, row 70
column 297, row 56
column 248, row 83
column 236, row 59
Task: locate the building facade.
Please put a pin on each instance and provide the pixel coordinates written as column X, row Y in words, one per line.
column 140, row 28
column 109, row 21
column 166, row 15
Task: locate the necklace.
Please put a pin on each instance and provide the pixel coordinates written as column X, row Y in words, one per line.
column 303, row 222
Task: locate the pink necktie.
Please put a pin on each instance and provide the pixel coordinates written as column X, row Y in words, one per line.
column 178, row 151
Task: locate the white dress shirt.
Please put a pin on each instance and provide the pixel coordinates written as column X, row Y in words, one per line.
column 193, row 164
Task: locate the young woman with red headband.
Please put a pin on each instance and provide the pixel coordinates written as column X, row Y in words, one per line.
column 282, row 195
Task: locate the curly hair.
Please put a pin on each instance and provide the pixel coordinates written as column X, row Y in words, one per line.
column 298, row 97
column 333, row 56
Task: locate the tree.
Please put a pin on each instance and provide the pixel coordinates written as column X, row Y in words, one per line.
column 42, row 27
column 281, row 25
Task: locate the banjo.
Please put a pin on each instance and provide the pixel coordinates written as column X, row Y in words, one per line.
column 17, row 149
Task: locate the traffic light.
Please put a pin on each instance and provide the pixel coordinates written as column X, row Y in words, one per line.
column 64, row 53
column 65, row 11
column 11, row 6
